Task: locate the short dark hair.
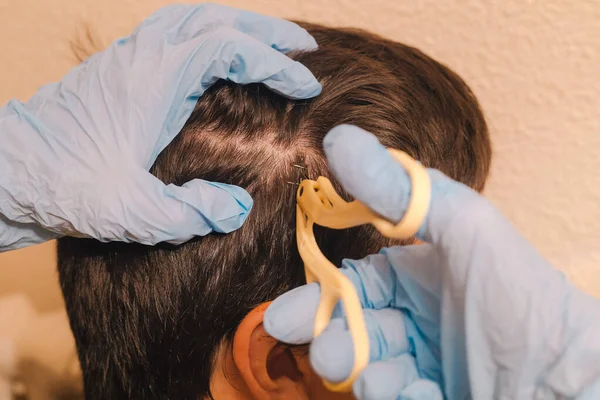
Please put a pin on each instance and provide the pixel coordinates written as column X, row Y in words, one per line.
column 148, row 321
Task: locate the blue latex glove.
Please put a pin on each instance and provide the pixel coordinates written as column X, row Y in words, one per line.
column 74, row 158
column 475, row 312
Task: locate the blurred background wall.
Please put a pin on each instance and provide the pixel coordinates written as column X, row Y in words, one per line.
column 535, row 66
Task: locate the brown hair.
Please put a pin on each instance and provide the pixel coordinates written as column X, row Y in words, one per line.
column 149, row 320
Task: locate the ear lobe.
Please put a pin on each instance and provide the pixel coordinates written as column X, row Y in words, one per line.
column 268, row 368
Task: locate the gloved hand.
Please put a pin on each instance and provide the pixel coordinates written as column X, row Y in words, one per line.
column 74, row 158
column 475, row 312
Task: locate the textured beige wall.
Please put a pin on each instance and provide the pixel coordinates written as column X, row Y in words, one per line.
column 535, row 65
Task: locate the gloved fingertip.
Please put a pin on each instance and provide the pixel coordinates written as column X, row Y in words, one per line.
column 386, row 379
column 422, row 389
column 293, row 38
column 176, row 214
column 332, row 353
column 280, row 34
column 367, row 170
column 308, row 43
column 294, row 81
column 290, row 318
column 331, row 139
column 223, row 207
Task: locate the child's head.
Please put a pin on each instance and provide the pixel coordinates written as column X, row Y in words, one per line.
column 158, row 322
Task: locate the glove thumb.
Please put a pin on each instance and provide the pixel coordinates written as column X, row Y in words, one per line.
column 155, row 212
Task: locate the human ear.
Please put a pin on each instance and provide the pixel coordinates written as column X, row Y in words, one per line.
column 269, row 368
